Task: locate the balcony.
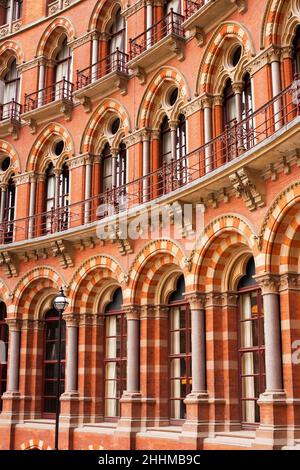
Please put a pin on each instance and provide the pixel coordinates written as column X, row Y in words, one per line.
column 49, row 102
column 7, row 29
column 231, row 165
column 103, row 77
column 202, row 15
column 165, row 39
column 10, row 121
column 56, row 6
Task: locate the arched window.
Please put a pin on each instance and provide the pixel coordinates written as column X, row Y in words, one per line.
column 12, row 11
column 247, row 110
column 251, row 346
column 50, row 369
column 64, row 196
column 11, row 84
column 117, row 34
column 115, row 358
column 62, row 73
column 165, row 142
column 181, row 151
column 229, row 104
column 3, row 351
column 172, row 4
column 113, row 172
column 8, row 206
column 296, row 51
column 179, row 351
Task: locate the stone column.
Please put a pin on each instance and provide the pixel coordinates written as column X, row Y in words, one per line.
column 3, row 188
column 207, row 107
column 173, row 127
column 196, row 425
column 114, row 154
column 71, row 352
column 271, row 433
column 41, row 83
column 14, row 355
column 238, row 90
column 57, row 172
column 11, row 14
column 276, row 85
column 32, row 204
column 149, row 22
column 146, row 164
column 95, row 56
column 88, row 189
column 133, row 349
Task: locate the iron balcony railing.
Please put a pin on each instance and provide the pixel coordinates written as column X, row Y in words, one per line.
column 62, row 90
column 237, row 139
column 11, row 110
column 170, row 24
column 115, row 62
column 191, row 6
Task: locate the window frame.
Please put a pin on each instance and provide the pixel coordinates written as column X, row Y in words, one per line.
column 4, row 336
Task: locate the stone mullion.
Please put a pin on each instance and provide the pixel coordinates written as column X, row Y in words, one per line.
column 161, row 364
column 214, row 359
column 230, row 360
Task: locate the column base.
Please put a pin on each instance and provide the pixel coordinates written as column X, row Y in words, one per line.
column 11, row 406
column 69, row 414
column 130, row 421
column 196, row 426
column 272, row 431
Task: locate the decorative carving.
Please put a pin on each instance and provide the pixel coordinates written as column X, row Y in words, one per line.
column 8, row 263
column 244, row 187
column 140, row 74
column 196, row 300
column 86, row 103
column 66, row 109
column 63, row 250
column 269, row 283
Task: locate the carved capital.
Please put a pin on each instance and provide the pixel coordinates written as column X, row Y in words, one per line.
column 132, row 312
column 269, row 283
column 196, row 300
column 71, row 319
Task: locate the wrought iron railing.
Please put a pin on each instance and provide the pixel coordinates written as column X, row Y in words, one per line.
column 62, row 90
column 191, row 6
column 11, row 110
column 115, row 62
column 170, row 24
column 236, row 140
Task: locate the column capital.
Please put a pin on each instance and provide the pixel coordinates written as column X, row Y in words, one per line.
column 3, row 187
column 71, row 319
column 132, row 312
column 230, row 299
column 218, row 100
column 214, row 299
column 90, row 319
column 289, row 281
column 207, row 101
column 269, row 283
column 147, row 311
column 274, row 54
column 155, row 134
column 173, row 124
column 14, row 324
column 32, row 324
column 287, row 52
column 238, row 87
column 197, row 300
column 161, row 311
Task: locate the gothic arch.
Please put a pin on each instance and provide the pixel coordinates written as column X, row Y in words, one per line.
column 51, row 36
column 101, row 13
column 98, row 123
column 8, row 150
column 38, row 153
column 232, row 32
column 151, row 264
column 8, row 50
column 87, row 279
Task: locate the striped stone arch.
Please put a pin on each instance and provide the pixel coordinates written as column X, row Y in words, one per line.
column 272, row 19
column 5, row 294
column 280, row 233
column 7, row 50
column 7, row 149
column 35, row 444
column 153, row 92
column 154, row 260
column 215, row 49
column 29, row 289
column 220, row 239
column 51, row 131
column 100, row 13
column 88, row 278
column 51, row 35
column 93, row 447
column 90, row 135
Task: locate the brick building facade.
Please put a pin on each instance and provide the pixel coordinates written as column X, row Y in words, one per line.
column 181, row 339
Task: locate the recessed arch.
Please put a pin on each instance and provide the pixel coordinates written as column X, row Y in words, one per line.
column 9, row 50
column 51, row 37
column 6, row 149
column 151, row 99
column 216, row 49
column 101, row 13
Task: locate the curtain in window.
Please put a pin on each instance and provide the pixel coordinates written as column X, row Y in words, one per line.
column 117, row 34
column 63, row 70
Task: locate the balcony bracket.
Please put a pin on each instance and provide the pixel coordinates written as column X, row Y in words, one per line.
column 121, row 85
column 32, row 125
column 140, row 74
column 241, row 5
column 8, row 262
column 63, row 250
column 243, row 185
column 177, row 46
column 85, row 101
column 66, row 109
column 199, row 34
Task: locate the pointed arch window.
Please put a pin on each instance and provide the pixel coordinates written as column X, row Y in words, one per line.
column 3, row 351
column 117, row 34
column 115, row 358
column 165, row 142
column 8, row 208
column 296, row 52
column 64, row 196
column 181, row 151
column 50, row 362
column 229, row 105
column 247, row 110
column 114, row 168
column 179, row 351
column 251, row 347
column 62, row 72
column 9, row 92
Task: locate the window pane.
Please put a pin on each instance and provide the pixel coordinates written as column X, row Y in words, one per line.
column 250, row 363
